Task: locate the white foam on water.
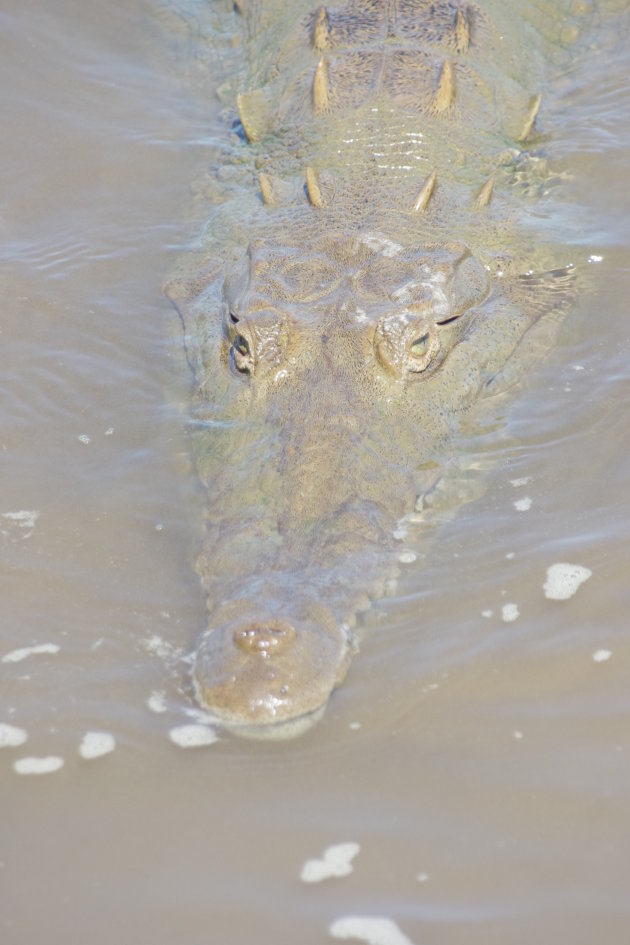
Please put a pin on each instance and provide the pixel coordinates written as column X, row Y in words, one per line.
column 564, row 579
column 157, row 701
column 407, row 557
column 16, row 656
column 193, row 736
column 487, row 613
column 372, row 929
column 38, row 765
column 96, row 744
column 336, row 862
column 520, row 482
column 523, row 505
column 11, row 736
column 510, row 612
column 24, row 519
column 162, row 648
column 601, row 656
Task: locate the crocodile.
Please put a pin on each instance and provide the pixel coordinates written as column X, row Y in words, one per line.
column 373, row 269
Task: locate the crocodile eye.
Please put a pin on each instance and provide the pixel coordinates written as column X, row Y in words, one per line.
column 420, row 346
column 241, row 345
column 234, row 318
column 242, row 352
column 405, row 343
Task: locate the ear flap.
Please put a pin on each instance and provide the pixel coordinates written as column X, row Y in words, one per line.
column 199, row 302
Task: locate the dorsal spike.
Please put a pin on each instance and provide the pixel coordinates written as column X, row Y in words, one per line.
column 426, row 192
column 534, row 108
column 321, row 30
column 483, row 197
column 254, row 114
column 445, row 95
column 266, row 189
column 312, row 189
column 320, row 87
column 462, row 29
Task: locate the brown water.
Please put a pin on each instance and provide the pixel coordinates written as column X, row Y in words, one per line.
column 481, row 763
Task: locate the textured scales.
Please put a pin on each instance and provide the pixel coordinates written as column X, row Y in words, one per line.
column 372, row 276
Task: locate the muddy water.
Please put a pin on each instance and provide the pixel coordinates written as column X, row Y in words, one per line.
column 479, row 753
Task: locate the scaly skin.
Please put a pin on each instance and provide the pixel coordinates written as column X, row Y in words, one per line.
column 387, row 286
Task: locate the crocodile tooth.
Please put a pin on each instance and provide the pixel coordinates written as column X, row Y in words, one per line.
column 266, row 189
column 321, row 30
column 445, row 95
column 312, row 188
column 534, row 108
column 462, row 29
column 484, row 195
column 320, row 87
column 425, row 194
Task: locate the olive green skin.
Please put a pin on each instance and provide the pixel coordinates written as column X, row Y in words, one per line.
column 340, row 329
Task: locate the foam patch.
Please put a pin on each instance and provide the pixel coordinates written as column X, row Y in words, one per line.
column 564, row 579
column 11, row 736
column 38, row 765
column 193, row 736
column 96, row 744
column 371, row 929
column 336, row 862
column 16, row 656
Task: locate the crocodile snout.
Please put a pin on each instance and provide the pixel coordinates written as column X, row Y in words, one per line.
column 253, row 671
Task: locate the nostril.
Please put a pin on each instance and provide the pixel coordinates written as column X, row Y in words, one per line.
column 267, row 638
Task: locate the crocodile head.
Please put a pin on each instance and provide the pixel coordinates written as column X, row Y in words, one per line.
column 322, row 408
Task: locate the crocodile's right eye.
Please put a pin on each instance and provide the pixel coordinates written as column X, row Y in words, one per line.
column 255, row 340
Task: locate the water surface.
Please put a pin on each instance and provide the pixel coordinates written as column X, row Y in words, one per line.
column 479, row 751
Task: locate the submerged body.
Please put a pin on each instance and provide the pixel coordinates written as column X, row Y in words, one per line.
column 373, row 274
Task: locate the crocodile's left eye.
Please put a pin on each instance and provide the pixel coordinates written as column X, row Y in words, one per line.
column 406, row 343
column 242, row 351
column 420, row 346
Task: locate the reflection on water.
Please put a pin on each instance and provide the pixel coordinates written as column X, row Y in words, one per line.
column 475, row 764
